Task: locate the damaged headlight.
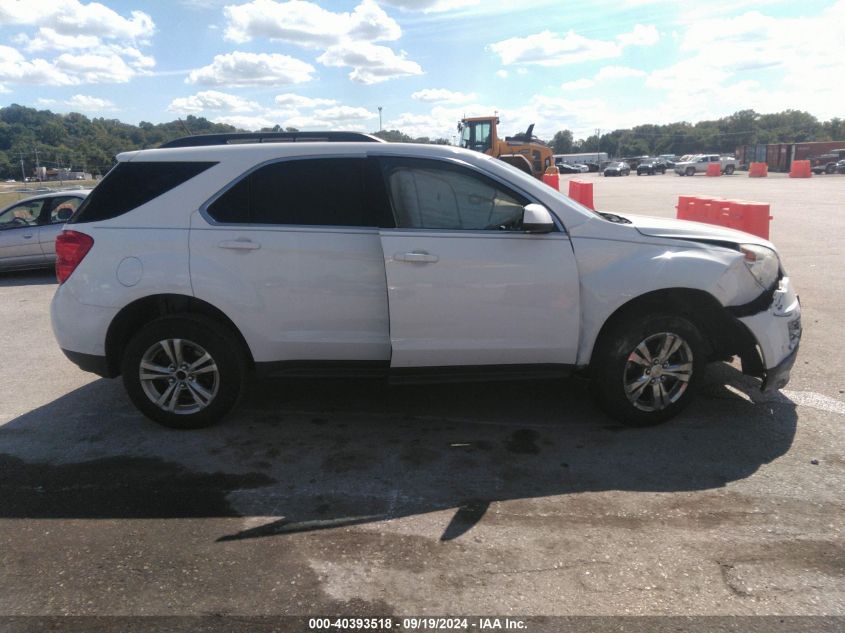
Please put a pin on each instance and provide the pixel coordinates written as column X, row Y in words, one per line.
column 762, row 263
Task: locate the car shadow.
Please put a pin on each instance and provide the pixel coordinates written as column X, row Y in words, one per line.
column 31, row 277
column 310, row 456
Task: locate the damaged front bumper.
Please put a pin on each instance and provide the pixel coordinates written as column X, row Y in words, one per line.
column 777, row 330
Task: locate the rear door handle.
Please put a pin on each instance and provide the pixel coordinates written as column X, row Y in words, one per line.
column 416, row 256
column 27, row 236
column 240, row 245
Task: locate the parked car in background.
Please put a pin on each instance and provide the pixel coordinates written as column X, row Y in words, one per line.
column 566, row 168
column 617, row 169
column 840, row 167
column 191, row 269
column 592, row 166
column 28, row 228
column 699, row 162
column 582, row 167
column 651, row 167
column 827, row 163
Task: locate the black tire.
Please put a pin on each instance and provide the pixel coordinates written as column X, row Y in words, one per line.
column 829, row 169
column 611, row 368
column 729, row 170
column 690, row 171
column 197, row 333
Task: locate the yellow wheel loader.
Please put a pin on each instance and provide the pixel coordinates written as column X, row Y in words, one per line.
column 524, row 151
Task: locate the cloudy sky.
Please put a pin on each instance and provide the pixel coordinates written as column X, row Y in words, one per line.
column 329, row 64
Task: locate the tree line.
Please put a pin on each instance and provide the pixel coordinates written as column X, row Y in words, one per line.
column 29, row 137
column 724, row 135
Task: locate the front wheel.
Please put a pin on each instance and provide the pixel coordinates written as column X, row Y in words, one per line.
column 184, row 372
column 729, row 170
column 646, row 368
column 690, row 171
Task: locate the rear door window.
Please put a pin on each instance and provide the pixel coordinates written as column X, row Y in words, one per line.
column 129, row 185
column 307, row 192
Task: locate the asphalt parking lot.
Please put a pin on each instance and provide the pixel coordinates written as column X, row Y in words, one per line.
column 509, row 499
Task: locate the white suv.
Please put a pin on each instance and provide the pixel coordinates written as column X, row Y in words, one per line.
column 189, row 267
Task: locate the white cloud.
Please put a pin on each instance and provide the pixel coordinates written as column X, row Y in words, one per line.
column 550, row 49
column 431, row 6
column 95, row 67
column 212, row 100
column 502, row 74
column 298, row 101
column 308, row 24
column 71, row 17
column 94, row 43
column 47, row 38
column 252, row 69
column 344, row 113
column 86, row 103
column 370, row 63
column 14, row 68
column 440, row 95
column 794, row 52
column 250, row 123
column 618, row 72
column 608, row 73
column 578, row 84
column 641, row 35
column 346, row 39
column 331, row 118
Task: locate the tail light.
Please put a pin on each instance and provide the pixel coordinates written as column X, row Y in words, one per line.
column 71, row 249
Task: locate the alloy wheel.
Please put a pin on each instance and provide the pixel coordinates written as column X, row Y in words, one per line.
column 179, row 376
column 658, row 371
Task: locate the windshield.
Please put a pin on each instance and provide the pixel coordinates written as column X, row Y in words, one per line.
column 476, row 136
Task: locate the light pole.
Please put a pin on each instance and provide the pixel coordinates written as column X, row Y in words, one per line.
column 379, row 118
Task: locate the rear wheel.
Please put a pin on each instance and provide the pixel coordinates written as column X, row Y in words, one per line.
column 646, row 368
column 184, row 372
column 830, row 168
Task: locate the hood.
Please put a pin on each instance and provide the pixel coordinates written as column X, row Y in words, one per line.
column 693, row 231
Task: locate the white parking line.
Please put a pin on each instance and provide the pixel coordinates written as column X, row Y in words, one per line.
column 815, row 401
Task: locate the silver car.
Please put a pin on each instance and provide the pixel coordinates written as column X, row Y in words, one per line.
column 29, row 227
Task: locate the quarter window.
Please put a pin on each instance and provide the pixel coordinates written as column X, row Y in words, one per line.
column 430, row 195
column 130, row 184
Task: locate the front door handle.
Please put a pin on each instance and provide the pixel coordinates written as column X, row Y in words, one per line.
column 417, row 257
column 240, row 245
column 27, row 236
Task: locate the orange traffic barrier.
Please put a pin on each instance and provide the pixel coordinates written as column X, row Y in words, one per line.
column 714, row 169
column 800, row 169
column 751, row 217
column 687, row 208
column 758, row 170
column 552, row 177
column 582, row 192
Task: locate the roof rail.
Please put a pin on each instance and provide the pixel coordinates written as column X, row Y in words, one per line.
column 202, row 140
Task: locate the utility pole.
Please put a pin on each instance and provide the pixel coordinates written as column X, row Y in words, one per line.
column 37, row 164
column 379, row 118
column 598, row 148
column 23, row 171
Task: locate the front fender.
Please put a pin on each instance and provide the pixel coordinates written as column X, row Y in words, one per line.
column 614, row 273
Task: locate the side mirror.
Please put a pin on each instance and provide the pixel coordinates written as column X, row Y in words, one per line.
column 537, row 219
